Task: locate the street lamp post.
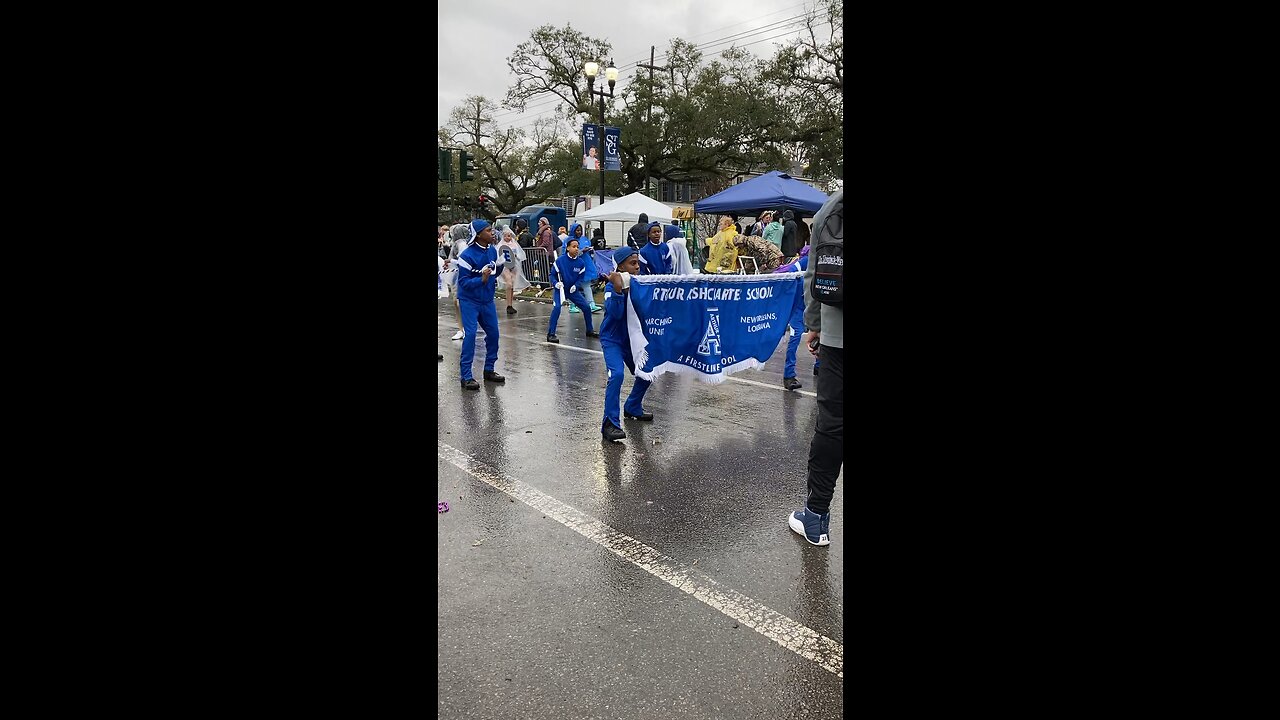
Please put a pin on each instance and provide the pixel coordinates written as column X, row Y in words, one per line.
column 611, row 74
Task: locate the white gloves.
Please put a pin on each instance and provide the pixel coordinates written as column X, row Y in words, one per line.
column 559, row 286
column 572, row 289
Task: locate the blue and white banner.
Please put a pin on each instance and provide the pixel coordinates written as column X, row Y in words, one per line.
column 612, row 159
column 590, row 147
column 708, row 325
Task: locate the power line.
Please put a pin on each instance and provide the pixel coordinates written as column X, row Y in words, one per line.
column 744, row 22
column 767, row 27
column 533, row 120
column 527, row 121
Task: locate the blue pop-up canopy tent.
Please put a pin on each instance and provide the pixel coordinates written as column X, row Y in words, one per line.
column 772, row 191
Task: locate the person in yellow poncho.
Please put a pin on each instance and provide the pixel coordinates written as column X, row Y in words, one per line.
column 722, row 254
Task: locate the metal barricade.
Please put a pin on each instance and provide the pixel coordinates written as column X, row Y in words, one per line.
column 537, row 266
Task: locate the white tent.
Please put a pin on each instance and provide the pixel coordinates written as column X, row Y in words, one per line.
column 627, row 209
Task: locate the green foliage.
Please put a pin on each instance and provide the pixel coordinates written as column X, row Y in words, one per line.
column 551, row 62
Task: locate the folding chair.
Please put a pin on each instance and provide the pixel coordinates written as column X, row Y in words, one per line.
column 742, row 266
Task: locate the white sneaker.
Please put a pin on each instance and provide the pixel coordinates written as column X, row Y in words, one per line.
column 457, row 336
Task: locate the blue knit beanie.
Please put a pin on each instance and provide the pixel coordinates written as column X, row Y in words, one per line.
column 623, row 253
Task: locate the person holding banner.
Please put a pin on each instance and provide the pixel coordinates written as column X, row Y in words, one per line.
column 570, row 273
column 655, row 257
column 616, row 345
column 795, row 324
column 477, row 266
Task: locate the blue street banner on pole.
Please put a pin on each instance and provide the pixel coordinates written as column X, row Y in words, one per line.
column 612, row 160
column 709, row 326
column 590, row 147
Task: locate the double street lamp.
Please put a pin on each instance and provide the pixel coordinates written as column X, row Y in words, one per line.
column 611, row 73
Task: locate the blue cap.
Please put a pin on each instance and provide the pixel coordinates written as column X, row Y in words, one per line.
column 478, row 225
column 653, row 225
column 623, row 253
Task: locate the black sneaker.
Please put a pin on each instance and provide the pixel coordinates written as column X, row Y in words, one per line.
column 592, row 333
column 470, row 385
column 791, row 383
column 552, row 338
column 439, row 357
column 491, row 376
column 646, row 416
column 612, row 433
column 511, row 310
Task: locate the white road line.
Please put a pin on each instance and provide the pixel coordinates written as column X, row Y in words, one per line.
column 568, row 347
column 803, row 641
column 771, row 387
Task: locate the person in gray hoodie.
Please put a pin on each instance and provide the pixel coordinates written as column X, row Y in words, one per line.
column 826, row 341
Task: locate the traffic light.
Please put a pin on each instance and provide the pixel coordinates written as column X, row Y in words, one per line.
column 465, row 168
column 445, row 160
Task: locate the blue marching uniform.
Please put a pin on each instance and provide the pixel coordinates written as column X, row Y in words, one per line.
column 576, row 273
column 476, row 301
column 655, row 259
column 796, row 321
column 617, row 354
column 584, row 248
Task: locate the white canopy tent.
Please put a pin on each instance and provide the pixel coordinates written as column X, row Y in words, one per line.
column 627, row 209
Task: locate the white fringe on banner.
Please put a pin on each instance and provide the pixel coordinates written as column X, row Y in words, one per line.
column 714, row 379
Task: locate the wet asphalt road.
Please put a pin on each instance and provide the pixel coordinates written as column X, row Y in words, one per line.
column 539, row 621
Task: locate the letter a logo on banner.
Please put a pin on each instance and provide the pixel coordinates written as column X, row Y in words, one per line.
column 710, row 344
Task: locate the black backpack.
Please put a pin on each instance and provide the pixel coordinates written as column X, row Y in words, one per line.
column 525, row 240
column 827, row 255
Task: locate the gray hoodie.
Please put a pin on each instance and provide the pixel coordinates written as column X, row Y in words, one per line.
column 826, row 319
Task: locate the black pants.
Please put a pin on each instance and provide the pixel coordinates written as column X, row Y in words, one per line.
column 826, row 454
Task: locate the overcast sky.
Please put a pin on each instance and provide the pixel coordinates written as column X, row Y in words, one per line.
column 476, row 37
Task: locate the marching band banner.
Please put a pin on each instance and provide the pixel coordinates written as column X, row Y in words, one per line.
column 708, row 325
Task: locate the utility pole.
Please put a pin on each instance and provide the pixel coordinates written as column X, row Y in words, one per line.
column 648, row 124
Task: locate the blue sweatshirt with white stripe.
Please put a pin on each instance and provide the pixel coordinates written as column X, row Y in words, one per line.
column 579, row 271
column 471, row 265
column 656, row 259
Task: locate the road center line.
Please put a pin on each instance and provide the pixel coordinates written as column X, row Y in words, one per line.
column 803, row 641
